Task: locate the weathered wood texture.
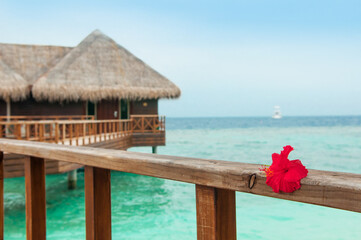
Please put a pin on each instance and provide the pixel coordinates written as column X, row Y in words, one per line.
column 148, row 139
column 35, row 199
column 332, row 189
column 120, row 143
column 97, row 203
column 147, row 123
column 1, row 196
column 110, row 134
column 216, row 213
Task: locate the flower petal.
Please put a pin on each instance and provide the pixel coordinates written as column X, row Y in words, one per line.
column 296, row 171
column 278, row 162
column 275, row 181
column 286, row 151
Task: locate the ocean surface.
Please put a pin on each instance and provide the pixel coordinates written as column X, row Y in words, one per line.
column 150, row 208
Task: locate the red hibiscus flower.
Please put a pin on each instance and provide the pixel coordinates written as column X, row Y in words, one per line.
column 285, row 175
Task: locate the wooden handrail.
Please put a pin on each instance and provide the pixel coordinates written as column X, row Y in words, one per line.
column 331, row 189
column 72, row 132
column 46, row 117
column 63, row 121
column 148, row 123
column 216, row 183
column 144, row 115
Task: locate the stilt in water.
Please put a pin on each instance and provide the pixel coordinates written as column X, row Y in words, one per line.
column 154, row 149
column 72, row 178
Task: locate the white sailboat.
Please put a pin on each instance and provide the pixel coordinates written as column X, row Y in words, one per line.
column 277, row 112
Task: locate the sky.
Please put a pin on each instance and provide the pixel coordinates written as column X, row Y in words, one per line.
column 230, row 58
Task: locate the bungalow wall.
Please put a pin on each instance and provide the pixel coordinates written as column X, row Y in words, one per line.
column 30, row 107
column 2, row 108
column 144, row 107
column 108, row 109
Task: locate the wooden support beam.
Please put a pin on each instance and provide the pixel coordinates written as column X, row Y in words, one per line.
column 72, row 179
column 97, row 203
column 331, row 189
column 35, row 199
column 216, row 213
column 154, row 149
column 1, row 196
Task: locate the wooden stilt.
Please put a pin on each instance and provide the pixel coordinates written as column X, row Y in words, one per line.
column 72, row 179
column 154, row 149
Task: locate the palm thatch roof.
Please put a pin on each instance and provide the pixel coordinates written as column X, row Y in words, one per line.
column 12, row 85
column 22, row 65
column 98, row 68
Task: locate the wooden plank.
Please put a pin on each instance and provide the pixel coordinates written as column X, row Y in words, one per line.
column 1, row 196
column 13, row 174
column 56, row 132
column 97, row 203
column 35, row 199
column 331, row 189
column 216, row 213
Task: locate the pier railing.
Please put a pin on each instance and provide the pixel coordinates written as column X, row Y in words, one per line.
column 47, row 117
column 80, row 132
column 215, row 185
column 76, row 132
column 148, row 123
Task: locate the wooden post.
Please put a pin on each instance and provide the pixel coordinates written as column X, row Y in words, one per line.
column 154, row 149
column 76, row 126
column 63, row 133
column 216, row 213
column 154, row 125
column 41, row 132
column 100, row 131
column 97, row 203
column 72, row 179
column 84, row 133
column 56, row 132
column 71, row 133
column 35, row 199
column 27, row 129
column 1, row 196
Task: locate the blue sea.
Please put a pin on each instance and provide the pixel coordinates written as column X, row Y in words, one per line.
column 150, row 208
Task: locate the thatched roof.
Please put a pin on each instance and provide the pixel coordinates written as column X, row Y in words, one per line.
column 12, row 85
column 98, row 68
column 22, row 65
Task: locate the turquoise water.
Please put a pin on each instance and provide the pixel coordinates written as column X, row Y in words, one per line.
column 151, row 208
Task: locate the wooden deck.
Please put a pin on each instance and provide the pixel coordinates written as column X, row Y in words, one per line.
column 140, row 130
column 215, row 184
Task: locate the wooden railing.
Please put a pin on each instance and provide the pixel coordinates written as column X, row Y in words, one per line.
column 148, row 123
column 33, row 118
column 74, row 131
column 66, row 132
column 215, row 186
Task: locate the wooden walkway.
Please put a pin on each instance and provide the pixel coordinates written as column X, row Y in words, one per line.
column 215, row 185
column 140, row 130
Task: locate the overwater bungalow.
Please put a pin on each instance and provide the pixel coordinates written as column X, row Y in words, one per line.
column 96, row 94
